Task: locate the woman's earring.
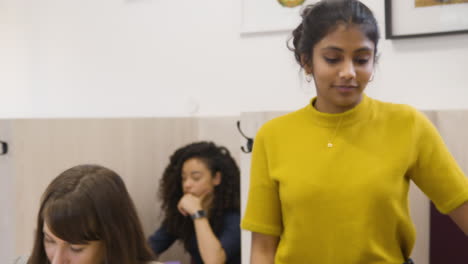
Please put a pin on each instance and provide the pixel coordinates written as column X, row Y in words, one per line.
column 308, row 77
column 371, row 78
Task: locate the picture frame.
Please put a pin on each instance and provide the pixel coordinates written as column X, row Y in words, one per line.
column 403, row 19
column 266, row 16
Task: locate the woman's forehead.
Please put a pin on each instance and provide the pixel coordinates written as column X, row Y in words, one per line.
column 48, row 232
column 194, row 163
column 346, row 37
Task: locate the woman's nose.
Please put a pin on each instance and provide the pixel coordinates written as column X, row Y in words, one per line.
column 187, row 185
column 347, row 70
column 59, row 256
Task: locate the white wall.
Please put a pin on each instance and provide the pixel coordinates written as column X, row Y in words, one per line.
column 105, row 58
column 14, row 88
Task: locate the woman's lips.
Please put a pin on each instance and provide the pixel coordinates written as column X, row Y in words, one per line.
column 345, row 88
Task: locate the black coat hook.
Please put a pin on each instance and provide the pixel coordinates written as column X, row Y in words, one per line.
column 3, row 148
column 250, row 141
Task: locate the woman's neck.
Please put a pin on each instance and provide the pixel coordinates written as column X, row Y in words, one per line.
column 322, row 106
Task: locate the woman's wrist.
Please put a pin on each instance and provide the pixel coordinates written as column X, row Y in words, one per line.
column 198, row 214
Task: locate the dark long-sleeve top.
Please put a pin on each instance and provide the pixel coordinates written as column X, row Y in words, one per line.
column 228, row 236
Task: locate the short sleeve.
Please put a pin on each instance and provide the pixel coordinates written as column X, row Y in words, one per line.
column 435, row 171
column 161, row 240
column 263, row 211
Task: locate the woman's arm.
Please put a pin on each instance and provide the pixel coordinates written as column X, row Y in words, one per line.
column 211, row 250
column 460, row 217
column 209, row 246
column 263, row 248
column 160, row 240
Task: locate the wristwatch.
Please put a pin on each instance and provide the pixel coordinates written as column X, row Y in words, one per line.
column 198, row 214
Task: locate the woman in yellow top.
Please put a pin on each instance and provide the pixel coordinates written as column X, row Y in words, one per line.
column 329, row 182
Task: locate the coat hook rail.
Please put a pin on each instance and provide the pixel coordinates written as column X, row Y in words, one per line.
column 3, row 148
column 249, row 145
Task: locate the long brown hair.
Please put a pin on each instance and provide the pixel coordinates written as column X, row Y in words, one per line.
column 88, row 203
column 226, row 194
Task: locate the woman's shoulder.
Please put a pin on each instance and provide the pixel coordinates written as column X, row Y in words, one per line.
column 231, row 213
column 231, row 217
column 392, row 107
column 402, row 113
column 279, row 121
column 287, row 118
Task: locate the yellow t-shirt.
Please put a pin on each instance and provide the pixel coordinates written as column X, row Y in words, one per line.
column 348, row 203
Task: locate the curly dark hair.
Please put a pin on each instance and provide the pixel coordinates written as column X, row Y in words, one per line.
column 226, row 194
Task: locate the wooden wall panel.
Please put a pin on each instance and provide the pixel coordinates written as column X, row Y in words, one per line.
column 138, row 149
column 453, row 127
column 222, row 131
column 7, row 209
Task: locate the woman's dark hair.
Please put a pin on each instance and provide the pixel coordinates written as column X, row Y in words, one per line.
column 323, row 17
column 88, row 203
column 226, row 194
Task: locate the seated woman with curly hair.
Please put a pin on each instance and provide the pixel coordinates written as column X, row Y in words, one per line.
column 86, row 216
column 200, row 201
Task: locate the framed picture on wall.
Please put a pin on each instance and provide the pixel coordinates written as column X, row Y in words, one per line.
column 422, row 18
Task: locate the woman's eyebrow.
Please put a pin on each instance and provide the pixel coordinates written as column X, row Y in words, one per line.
column 364, row 49
column 47, row 235
column 184, row 175
column 334, row 48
